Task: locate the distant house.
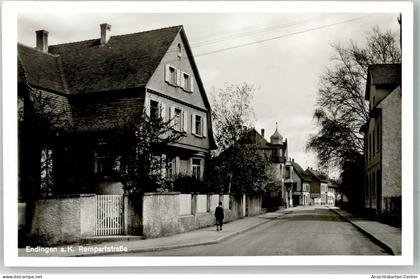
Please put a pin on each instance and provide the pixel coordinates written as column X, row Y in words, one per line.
column 277, row 151
column 299, row 182
column 92, row 85
column 382, row 134
column 318, row 186
column 334, row 194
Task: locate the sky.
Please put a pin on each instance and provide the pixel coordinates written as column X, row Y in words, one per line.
column 281, row 54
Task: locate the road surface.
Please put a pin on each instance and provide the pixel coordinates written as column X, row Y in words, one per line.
column 314, row 231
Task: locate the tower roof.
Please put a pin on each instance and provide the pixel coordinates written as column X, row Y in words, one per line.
column 276, row 138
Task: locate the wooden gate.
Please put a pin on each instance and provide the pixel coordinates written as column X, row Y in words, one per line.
column 109, row 215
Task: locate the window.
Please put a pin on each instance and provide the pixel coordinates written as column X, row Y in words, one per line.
column 374, row 186
column 179, row 50
column 187, row 82
column 170, row 168
column 373, row 142
column 378, row 134
column 367, row 188
column 198, row 126
column 154, row 109
column 171, row 75
column 178, row 119
column 196, row 168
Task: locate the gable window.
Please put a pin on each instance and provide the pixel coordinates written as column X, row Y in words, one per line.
column 179, row 50
column 196, row 168
column 171, row 74
column 187, row 82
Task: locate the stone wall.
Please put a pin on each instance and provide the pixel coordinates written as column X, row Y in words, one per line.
column 160, row 214
column 64, row 219
column 185, row 204
column 253, row 205
column 133, row 215
column 88, row 215
column 201, row 204
column 69, row 218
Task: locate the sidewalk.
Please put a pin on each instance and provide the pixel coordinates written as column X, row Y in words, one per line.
column 204, row 236
column 386, row 236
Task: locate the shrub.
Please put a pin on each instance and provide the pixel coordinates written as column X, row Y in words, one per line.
column 188, row 184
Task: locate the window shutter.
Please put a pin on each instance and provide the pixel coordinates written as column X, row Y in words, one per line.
column 192, row 83
column 176, row 165
column 201, row 168
column 147, row 103
column 163, row 111
column 204, row 125
column 167, row 73
column 178, row 77
column 182, row 81
column 171, row 115
column 191, row 166
column 185, row 123
column 193, row 131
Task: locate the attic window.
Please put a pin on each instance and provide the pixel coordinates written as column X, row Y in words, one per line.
column 171, row 75
column 179, row 53
column 187, row 82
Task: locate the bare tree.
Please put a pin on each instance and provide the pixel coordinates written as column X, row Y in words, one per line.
column 342, row 109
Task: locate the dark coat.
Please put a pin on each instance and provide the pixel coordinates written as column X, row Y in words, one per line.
column 218, row 213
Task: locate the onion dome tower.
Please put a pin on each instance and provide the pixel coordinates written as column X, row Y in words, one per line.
column 276, row 138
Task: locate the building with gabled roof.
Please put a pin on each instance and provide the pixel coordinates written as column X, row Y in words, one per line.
column 382, row 141
column 277, row 152
column 299, row 181
column 95, row 85
column 318, row 186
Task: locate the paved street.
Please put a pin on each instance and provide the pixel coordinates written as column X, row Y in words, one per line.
column 303, row 231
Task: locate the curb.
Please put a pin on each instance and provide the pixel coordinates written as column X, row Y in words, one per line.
column 369, row 235
column 186, row 245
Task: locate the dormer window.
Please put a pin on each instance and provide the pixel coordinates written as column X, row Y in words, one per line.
column 179, row 50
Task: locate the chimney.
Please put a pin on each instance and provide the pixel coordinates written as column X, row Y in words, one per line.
column 262, row 132
column 42, row 40
column 105, row 33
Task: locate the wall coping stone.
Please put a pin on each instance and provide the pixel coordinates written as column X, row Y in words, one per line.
column 67, row 196
column 161, row 193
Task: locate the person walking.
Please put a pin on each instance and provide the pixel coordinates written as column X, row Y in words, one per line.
column 219, row 214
